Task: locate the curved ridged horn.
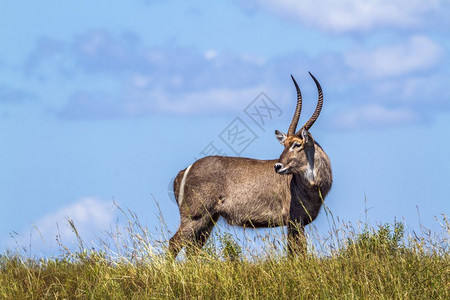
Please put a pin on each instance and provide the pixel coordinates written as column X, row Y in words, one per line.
column 316, row 113
column 298, row 110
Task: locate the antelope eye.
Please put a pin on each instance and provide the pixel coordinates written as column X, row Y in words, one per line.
column 296, row 145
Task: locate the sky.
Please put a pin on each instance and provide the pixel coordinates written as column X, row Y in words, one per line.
column 102, row 103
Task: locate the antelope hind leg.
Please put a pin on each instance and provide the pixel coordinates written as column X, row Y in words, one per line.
column 193, row 234
column 201, row 233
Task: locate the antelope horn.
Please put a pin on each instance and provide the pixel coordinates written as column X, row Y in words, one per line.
column 316, row 113
column 298, row 109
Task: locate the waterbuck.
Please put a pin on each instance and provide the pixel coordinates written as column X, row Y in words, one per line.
column 250, row 193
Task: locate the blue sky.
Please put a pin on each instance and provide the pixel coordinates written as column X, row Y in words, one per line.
column 106, row 101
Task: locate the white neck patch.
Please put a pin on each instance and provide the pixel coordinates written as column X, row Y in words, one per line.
column 309, row 173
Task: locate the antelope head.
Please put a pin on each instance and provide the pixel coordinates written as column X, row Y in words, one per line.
column 299, row 147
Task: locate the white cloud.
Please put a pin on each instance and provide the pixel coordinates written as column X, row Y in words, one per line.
column 135, row 102
column 152, row 80
column 425, row 93
column 351, row 15
column 90, row 216
column 212, row 100
column 374, row 116
column 210, row 54
column 416, row 54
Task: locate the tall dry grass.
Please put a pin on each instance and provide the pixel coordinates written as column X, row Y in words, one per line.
column 362, row 262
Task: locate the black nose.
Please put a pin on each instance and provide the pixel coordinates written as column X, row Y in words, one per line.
column 278, row 167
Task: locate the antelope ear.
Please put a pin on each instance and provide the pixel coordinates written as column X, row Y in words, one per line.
column 307, row 138
column 281, row 137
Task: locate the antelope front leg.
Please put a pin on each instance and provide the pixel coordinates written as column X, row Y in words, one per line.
column 296, row 240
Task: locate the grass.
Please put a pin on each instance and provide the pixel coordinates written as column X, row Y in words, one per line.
column 384, row 262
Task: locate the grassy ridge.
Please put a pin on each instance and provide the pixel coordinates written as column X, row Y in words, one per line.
column 373, row 264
